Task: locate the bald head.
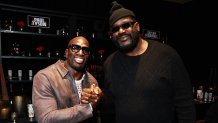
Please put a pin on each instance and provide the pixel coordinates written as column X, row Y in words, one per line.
column 80, row 40
column 77, row 53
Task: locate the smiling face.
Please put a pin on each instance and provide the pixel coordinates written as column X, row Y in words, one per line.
column 77, row 53
column 125, row 34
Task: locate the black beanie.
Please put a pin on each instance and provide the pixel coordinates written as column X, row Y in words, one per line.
column 117, row 12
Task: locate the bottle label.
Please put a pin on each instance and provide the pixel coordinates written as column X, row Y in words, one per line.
column 206, row 97
column 10, row 74
column 210, row 97
column 200, row 95
column 30, row 74
column 30, row 110
column 19, row 74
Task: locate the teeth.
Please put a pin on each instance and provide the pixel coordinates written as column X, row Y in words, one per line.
column 79, row 60
column 125, row 37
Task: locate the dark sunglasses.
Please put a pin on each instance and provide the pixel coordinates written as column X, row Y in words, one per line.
column 123, row 26
column 76, row 48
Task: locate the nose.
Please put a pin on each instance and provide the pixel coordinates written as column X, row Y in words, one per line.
column 80, row 52
column 121, row 30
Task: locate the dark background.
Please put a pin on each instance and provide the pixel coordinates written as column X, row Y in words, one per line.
column 190, row 27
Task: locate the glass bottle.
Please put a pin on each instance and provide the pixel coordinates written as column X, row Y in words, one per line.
column 212, row 85
column 10, row 74
column 20, row 102
column 100, row 57
column 98, row 116
column 9, row 25
column 11, row 101
column 79, row 31
column 15, row 51
column 11, row 95
column 210, row 95
column 6, row 25
column 200, row 94
column 30, row 109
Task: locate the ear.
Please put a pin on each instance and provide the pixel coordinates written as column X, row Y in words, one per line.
column 110, row 33
column 137, row 26
column 66, row 53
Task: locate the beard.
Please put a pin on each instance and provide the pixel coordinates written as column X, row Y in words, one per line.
column 79, row 68
column 134, row 36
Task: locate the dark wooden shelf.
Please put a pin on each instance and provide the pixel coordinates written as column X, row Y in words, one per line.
column 33, row 33
column 19, row 81
column 29, row 57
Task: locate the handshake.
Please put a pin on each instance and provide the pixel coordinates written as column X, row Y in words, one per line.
column 91, row 95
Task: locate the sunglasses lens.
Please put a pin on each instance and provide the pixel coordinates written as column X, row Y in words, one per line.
column 77, row 48
column 115, row 29
column 86, row 50
column 123, row 26
column 126, row 25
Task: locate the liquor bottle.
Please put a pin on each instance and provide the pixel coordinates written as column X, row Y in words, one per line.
column 11, row 101
column 19, row 73
column 30, row 109
column 200, row 94
column 30, row 74
column 194, row 91
column 4, row 109
column 15, row 50
column 210, row 95
column 212, row 85
column 98, row 116
column 164, row 40
column 80, row 31
column 20, row 102
column 208, row 92
column 100, row 57
column 9, row 25
column 5, row 25
column 11, row 95
column 206, row 95
column 63, row 31
column 10, row 74
column 77, row 32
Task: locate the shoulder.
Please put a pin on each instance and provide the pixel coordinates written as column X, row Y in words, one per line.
column 112, row 56
column 156, row 47
column 45, row 73
column 58, row 65
column 161, row 46
column 163, row 54
column 45, row 70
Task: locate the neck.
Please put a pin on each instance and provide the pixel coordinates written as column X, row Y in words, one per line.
column 77, row 75
column 140, row 48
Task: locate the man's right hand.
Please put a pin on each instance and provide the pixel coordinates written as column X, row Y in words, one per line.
column 91, row 95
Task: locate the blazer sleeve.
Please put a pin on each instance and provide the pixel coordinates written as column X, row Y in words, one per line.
column 45, row 104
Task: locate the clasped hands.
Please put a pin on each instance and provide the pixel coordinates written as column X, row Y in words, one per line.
column 91, row 95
